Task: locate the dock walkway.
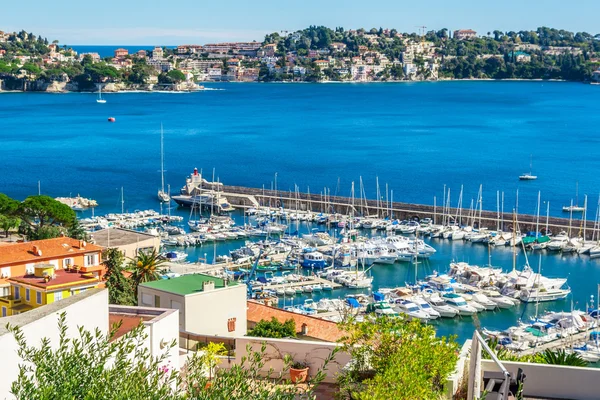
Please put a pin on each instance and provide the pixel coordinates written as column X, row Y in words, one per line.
column 560, row 343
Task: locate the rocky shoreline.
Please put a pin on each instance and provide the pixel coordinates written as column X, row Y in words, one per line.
column 68, row 87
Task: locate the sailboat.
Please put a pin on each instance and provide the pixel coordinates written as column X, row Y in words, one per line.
column 528, row 176
column 574, row 208
column 100, row 99
column 162, row 195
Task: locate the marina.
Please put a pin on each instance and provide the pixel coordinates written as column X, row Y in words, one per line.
column 422, row 200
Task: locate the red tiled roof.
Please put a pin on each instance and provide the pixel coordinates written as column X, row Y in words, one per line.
column 128, row 322
column 317, row 328
column 20, row 253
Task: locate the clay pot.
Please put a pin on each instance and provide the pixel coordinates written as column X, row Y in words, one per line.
column 298, row 375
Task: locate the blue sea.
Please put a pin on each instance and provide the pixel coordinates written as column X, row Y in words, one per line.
column 109, row 51
column 415, row 137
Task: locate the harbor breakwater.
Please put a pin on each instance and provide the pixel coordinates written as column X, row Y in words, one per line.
column 240, row 196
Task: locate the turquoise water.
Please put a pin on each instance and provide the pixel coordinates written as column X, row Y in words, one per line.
column 415, row 137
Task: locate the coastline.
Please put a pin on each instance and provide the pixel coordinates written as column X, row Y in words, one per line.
column 201, row 89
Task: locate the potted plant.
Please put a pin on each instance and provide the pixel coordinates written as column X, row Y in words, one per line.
column 298, row 372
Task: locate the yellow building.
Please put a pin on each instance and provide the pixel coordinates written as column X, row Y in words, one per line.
column 45, row 286
column 44, row 271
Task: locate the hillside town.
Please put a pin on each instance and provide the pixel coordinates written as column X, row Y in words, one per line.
column 316, row 54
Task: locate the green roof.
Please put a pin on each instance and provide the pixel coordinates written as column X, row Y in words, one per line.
column 186, row 284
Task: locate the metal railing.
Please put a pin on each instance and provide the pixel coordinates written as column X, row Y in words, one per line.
column 475, row 376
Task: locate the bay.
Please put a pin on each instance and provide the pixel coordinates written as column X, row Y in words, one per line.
column 417, row 137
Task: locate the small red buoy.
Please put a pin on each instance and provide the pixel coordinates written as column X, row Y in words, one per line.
column 111, row 119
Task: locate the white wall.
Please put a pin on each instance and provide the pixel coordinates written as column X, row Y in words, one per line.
column 43, row 323
column 312, row 353
column 161, row 332
column 553, row 381
column 207, row 313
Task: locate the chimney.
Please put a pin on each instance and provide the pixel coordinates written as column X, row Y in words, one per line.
column 82, row 244
column 304, row 330
column 37, row 251
column 208, row 285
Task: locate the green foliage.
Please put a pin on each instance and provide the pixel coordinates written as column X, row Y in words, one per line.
column 76, row 231
column 274, row 329
column 120, row 289
column 91, row 366
column 176, row 76
column 44, row 217
column 8, row 223
column 244, row 381
column 548, row 356
column 145, row 267
column 395, row 359
column 8, row 206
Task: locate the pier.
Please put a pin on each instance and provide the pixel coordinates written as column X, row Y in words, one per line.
column 562, row 343
column 239, row 195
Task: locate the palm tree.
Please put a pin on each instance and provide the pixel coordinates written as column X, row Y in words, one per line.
column 145, row 267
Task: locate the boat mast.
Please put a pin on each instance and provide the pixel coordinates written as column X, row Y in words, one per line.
column 480, row 204
column 514, row 240
column 162, row 160
column 435, row 208
column 583, row 217
column 570, row 217
column 122, row 202
column 548, row 216
column 537, row 220
column 498, row 210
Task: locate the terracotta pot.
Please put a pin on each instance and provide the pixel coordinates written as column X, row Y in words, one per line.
column 208, row 385
column 298, row 375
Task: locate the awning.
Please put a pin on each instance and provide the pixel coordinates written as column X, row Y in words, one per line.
column 353, row 302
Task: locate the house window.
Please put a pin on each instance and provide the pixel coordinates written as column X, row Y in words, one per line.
column 147, row 299
column 231, row 325
column 27, row 294
column 156, row 301
column 5, row 272
column 58, row 295
column 89, row 260
column 17, row 293
column 4, row 311
column 67, row 262
column 38, row 297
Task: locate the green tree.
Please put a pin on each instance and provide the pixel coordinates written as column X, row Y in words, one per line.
column 120, row 289
column 274, row 329
column 91, row 366
column 76, row 231
column 8, row 206
column 396, row 359
column 176, row 76
column 145, row 267
column 44, row 216
column 7, row 223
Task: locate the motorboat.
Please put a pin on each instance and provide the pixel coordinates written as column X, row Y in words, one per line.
column 441, row 307
column 411, row 309
column 500, row 300
column 482, row 299
column 534, row 295
column 425, row 307
column 313, row 260
column 459, row 304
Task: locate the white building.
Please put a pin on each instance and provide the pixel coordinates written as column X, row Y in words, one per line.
column 207, row 305
column 129, row 242
column 89, row 310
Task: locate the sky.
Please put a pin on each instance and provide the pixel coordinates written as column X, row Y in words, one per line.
column 159, row 22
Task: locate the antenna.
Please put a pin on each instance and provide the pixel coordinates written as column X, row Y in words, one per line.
column 422, row 31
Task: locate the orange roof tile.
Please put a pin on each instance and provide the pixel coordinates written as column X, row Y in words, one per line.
column 21, row 253
column 317, row 328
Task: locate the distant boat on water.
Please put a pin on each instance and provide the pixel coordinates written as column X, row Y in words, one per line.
column 528, row 176
column 574, row 208
column 100, row 99
column 163, row 196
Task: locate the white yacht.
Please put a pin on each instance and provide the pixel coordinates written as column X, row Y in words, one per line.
column 426, row 307
column 411, row 309
column 441, row 307
column 459, row 304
